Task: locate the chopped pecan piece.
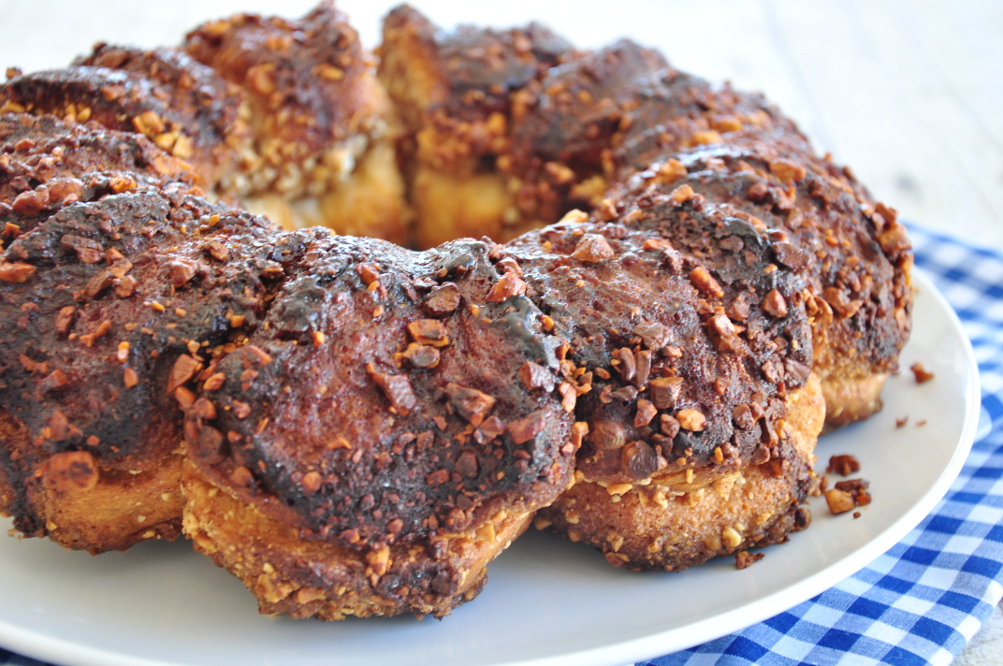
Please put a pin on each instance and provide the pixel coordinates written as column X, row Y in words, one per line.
column 691, row 419
column 397, row 389
column 922, row 374
column 181, row 271
column 645, row 413
column 508, row 285
column 15, row 271
column 421, row 356
column 607, row 435
column 744, row 559
column 429, row 332
column 774, row 304
column 592, row 249
column 665, row 391
column 443, row 299
column 524, row 429
column 535, row 376
column 639, row 459
column 181, row 373
column 839, row 501
column 843, row 465
column 705, row 282
column 471, row 404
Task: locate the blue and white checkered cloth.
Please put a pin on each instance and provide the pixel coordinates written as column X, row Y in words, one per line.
column 923, row 600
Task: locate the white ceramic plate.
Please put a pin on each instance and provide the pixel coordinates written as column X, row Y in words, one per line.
column 548, row 602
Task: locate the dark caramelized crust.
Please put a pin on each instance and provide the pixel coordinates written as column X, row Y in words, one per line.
column 852, row 253
column 46, row 164
column 207, row 121
column 180, row 105
column 686, row 385
column 98, row 305
column 408, row 421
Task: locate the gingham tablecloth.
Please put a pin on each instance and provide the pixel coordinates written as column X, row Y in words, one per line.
column 923, row 600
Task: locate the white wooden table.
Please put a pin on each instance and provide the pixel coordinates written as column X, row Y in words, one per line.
column 907, row 92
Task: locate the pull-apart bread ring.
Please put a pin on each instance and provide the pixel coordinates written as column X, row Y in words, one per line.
column 355, row 428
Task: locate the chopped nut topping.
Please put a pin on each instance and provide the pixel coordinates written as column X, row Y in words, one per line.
column 665, row 391
column 64, row 320
column 743, row 418
column 775, row 304
column 99, row 332
column 471, row 404
column 705, row 282
column 260, row 79
column 627, row 366
column 148, row 123
column 126, row 286
column 592, row 249
column 489, row 430
column 130, row 378
column 524, row 429
column 368, row 273
column 645, row 413
column 691, row 419
column 731, row 537
column 421, row 356
column 429, row 332
column 608, row 435
column 574, row 216
column 658, row 244
column 654, row 335
column 843, row 465
column 642, row 360
column 535, row 376
column 508, row 285
column 214, row 382
column 180, row 271
column 443, row 299
column 723, row 333
column 217, row 250
column 15, row 271
column 639, row 459
column 922, row 374
column 182, row 372
column 184, row 397
column 311, row 482
column 669, row 426
column 681, row 195
column 397, row 389
column 839, row 501
column 894, row 239
column 788, row 172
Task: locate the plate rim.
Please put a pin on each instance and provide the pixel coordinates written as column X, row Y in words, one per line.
column 58, row 650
